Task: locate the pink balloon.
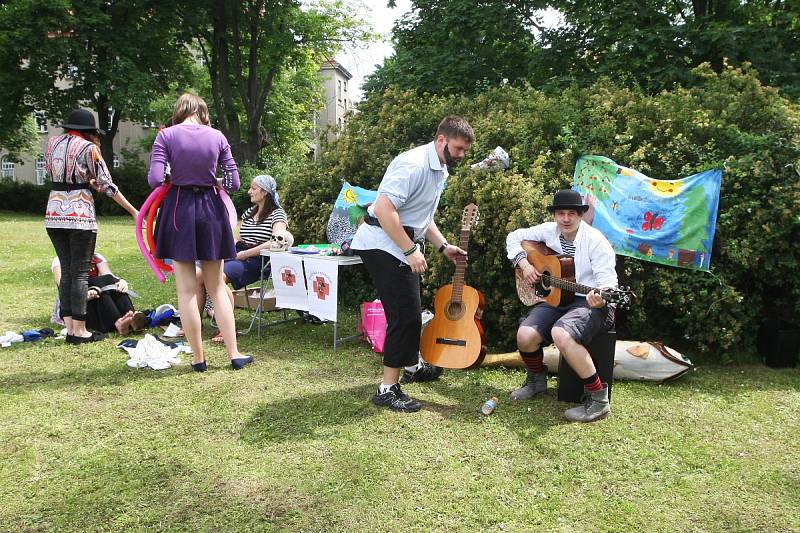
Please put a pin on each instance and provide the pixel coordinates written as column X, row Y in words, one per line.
column 140, row 240
column 232, row 217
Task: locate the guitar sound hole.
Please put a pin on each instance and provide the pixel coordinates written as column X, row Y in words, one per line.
column 454, row 310
column 543, row 288
column 542, row 291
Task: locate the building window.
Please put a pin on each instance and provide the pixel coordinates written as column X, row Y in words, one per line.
column 115, row 162
column 345, row 85
column 339, row 92
column 40, row 170
column 41, row 121
column 7, row 168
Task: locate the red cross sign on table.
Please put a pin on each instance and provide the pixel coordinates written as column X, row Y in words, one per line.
column 288, row 277
column 321, row 287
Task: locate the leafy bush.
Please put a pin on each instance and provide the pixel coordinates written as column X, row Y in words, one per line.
column 26, row 197
column 728, row 121
column 131, row 179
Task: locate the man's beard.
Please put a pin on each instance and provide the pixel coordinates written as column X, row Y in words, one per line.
column 449, row 160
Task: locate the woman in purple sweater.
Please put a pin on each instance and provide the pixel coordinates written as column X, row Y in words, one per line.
column 193, row 222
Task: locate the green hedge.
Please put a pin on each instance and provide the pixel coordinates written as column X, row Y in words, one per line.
column 728, row 120
column 26, row 197
column 132, row 182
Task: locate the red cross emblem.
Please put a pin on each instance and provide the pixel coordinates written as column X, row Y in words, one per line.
column 288, row 277
column 321, row 287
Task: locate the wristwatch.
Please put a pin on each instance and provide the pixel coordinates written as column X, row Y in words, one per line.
column 443, row 246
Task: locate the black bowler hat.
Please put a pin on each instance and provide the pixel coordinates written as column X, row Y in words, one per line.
column 568, row 199
column 81, row 120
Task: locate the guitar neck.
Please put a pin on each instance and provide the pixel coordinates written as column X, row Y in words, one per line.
column 570, row 286
column 461, row 266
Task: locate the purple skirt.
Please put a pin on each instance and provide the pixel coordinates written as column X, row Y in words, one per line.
column 193, row 225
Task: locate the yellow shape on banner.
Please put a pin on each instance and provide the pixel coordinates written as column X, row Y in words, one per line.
column 666, row 188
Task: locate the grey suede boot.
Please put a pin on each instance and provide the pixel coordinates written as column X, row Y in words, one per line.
column 534, row 384
column 595, row 406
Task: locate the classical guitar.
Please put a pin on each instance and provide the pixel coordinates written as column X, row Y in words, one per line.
column 557, row 285
column 454, row 337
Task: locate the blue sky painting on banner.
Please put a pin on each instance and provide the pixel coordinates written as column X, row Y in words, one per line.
column 671, row 222
column 348, row 211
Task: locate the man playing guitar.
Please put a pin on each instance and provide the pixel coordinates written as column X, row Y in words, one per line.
column 570, row 326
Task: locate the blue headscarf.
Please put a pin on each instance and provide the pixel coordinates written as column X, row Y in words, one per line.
column 267, row 183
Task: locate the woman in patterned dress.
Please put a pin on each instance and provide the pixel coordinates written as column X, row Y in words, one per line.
column 75, row 166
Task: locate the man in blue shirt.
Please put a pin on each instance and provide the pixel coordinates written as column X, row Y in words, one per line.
column 402, row 216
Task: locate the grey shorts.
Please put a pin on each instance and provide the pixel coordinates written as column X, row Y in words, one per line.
column 577, row 318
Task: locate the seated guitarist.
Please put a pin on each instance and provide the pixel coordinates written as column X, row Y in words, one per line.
column 572, row 326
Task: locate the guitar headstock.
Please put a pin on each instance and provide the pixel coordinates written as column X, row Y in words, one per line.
column 623, row 296
column 470, row 217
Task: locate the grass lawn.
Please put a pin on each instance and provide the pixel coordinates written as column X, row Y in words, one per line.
column 292, row 443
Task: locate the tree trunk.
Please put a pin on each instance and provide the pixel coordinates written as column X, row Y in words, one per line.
column 221, row 79
column 227, row 70
column 111, row 128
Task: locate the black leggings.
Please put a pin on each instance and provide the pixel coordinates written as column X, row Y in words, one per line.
column 398, row 289
column 103, row 312
column 74, row 248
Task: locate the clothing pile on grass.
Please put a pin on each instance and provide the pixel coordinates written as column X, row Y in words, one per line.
column 29, row 335
column 153, row 352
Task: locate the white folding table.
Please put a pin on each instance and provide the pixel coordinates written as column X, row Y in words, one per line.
column 340, row 260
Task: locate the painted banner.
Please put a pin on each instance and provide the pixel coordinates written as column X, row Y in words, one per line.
column 348, row 211
column 322, row 277
column 289, row 282
column 671, row 222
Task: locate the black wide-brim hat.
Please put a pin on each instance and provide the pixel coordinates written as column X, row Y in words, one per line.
column 81, row 120
column 568, row 199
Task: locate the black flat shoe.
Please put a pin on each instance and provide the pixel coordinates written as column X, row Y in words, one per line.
column 94, row 337
column 199, row 367
column 240, row 362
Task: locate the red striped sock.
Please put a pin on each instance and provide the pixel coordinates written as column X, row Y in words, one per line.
column 534, row 361
column 593, row 383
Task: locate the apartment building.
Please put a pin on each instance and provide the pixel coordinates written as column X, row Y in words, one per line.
column 330, row 121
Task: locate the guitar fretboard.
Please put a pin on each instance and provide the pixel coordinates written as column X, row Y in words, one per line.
column 571, row 286
column 461, row 267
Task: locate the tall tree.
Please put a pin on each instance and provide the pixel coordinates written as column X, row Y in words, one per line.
column 114, row 56
column 459, row 46
column 248, row 44
column 656, row 43
column 22, row 141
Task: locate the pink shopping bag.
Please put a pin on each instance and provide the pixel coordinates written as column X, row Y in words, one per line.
column 372, row 324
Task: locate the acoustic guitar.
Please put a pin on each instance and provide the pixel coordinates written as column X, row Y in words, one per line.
column 454, row 337
column 557, row 285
